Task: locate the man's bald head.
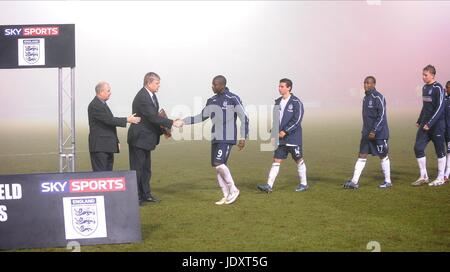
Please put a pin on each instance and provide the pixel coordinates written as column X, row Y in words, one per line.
column 100, row 86
column 103, row 90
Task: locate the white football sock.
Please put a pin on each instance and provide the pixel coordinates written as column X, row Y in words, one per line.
column 359, row 166
column 273, row 173
column 301, row 169
column 226, row 175
column 447, row 170
column 441, row 168
column 386, row 167
column 422, row 162
column 223, row 185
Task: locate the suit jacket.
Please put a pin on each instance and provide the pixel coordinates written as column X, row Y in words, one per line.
column 102, row 127
column 146, row 134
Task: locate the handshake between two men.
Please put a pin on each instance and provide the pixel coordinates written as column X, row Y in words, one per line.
column 178, row 123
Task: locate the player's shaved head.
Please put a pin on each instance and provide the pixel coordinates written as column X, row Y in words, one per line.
column 369, row 83
column 218, row 84
column 372, row 78
column 447, row 88
column 220, row 79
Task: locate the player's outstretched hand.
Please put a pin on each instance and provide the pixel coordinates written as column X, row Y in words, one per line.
column 241, row 144
column 178, row 123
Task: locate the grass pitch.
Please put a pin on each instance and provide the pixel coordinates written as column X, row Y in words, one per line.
column 324, row 218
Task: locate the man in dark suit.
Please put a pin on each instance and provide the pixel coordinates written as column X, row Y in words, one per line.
column 144, row 137
column 103, row 141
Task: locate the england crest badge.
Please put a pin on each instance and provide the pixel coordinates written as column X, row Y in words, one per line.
column 84, row 217
column 31, row 51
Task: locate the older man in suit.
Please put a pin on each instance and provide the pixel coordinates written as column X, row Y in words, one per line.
column 103, row 141
column 144, row 137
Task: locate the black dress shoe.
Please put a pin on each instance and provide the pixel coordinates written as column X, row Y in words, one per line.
column 152, row 199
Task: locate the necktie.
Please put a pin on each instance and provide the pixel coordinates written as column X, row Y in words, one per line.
column 155, row 101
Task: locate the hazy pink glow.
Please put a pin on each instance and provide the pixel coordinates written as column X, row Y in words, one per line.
column 393, row 42
column 327, row 48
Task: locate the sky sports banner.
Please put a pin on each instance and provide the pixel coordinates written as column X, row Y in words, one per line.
column 50, row 210
column 37, row 46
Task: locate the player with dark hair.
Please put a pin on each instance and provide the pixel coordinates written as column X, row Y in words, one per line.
column 287, row 128
column 375, row 134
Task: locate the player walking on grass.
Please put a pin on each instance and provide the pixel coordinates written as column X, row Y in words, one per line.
column 223, row 109
column 375, row 135
column 288, row 115
column 431, row 127
column 447, row 128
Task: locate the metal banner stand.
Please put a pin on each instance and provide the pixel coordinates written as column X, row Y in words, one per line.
column 66, row 119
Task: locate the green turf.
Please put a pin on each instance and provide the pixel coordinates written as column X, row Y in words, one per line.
column 325, row 218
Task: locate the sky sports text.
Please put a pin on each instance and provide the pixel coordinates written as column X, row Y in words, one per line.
column 32, row 31
column 90, row 185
